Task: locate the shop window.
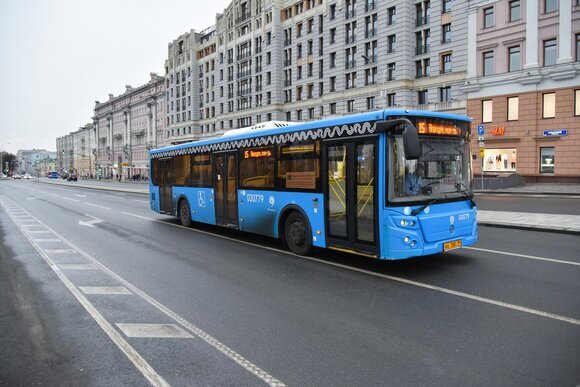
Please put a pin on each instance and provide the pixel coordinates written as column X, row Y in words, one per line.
column 486, row 110
column 500, row 160
column 547, row 160
column 513, row 107
column 577, row 102
column 549, row 105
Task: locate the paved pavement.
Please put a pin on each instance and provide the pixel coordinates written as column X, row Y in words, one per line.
column 569, row 224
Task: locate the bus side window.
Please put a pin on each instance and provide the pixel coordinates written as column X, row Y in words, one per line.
column 155, row 173
column 257, row 168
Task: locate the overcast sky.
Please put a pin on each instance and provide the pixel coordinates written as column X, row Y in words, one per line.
column 58, row 56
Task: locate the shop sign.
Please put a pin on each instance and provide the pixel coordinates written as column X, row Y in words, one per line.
column 555, row 132
column 498, row 131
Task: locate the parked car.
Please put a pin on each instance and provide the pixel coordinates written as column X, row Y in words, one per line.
column 16, row 176
column 52, row 175
column 71, row 177
column 26, row 176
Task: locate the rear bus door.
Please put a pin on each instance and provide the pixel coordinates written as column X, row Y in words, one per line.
column 165, row 184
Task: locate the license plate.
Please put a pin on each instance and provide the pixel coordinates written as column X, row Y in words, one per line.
column 451, row 245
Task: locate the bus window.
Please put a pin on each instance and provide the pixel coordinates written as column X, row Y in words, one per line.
column 298, row 167
column 201, row 171
column 181, row 170
column 257, row 168
column 155, row 172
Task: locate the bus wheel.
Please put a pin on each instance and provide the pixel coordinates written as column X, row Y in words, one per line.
column 185, row 213
column 297, row 234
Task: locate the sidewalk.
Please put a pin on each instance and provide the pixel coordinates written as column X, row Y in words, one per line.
column 568, row 224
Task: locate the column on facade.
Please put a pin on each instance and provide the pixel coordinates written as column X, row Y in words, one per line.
column 531, row 34
column 565, row 32
column 154, row 121
column 472, row 42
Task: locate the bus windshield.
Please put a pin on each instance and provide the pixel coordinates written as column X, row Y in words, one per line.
column 442, row 172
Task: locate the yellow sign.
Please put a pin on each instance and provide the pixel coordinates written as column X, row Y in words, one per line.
column 481, row 152
column 251, row 154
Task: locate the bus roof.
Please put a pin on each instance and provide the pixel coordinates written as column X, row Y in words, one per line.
column 289, row 127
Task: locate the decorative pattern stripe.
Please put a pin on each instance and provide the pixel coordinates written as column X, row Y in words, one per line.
column 357, row 129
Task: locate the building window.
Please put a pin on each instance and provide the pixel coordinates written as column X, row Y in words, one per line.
column 547, row 160
column 578, row 47
column 513, row 108
column 515, row 9
column 391, row 72
column 370, row 103
column 488, row 64
column 445, row 94
column 332, row 108
column 446, row 6
column 514, row 58
column 488, row 20
column 391, row 42
column 350, row 105
column 446, row 33
column 577, row 102
column 487, row 110
column 446, row 63
column 391, row 99
column 392, row 15
column 550, row 6
column 550, row 52
column 422, row 97
column 549, row 105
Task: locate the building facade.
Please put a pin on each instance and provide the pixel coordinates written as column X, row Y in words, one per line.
column 126, row 127
column 28, row 159
column 523, row 87
column 303, row 60
column 74, row 152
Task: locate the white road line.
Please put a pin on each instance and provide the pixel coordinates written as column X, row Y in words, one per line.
column 141, row 201
column 392, row 278
column 138, row 361
column 524, row 256
column 95, row 205
column 224, row 349
column 138, row 216
column 72, row 200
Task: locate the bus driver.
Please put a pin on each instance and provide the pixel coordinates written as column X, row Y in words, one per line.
column 414, row 181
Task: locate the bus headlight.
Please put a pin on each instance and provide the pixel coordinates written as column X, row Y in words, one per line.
column 406, row 239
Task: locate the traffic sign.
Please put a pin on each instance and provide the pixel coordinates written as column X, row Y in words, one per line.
column 480, row 130
column 481, row 144
column 481, row 152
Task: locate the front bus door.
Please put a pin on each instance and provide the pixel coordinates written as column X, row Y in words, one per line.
column 225, row 189
column 165, row 183
column 350, row 190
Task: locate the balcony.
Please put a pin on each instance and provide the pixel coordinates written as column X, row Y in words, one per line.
column 420, row 50
column 371, row 33
column 350, row 39
column 421, row 21
column 243, row 17
column 350, row 14
column 370, row 7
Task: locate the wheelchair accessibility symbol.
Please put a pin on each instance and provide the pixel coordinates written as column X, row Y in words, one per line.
column 201, row 199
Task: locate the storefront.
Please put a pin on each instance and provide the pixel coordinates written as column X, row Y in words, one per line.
column 500, row 160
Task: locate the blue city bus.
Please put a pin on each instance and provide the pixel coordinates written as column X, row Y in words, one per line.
column 390, row 184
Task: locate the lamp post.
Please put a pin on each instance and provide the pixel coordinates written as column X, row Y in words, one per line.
column 2, row 156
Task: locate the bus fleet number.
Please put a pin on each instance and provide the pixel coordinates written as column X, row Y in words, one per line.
column 254, row 198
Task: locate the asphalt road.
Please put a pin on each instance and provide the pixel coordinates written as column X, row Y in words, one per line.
column 79, row 266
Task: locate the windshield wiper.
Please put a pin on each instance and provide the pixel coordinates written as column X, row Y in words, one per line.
column 458, row 186
column 418, row 210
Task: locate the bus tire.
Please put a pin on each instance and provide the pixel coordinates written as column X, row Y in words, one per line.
column 185, row 213
column 297, row 234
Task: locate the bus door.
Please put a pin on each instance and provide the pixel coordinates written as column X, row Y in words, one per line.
column 350, row 191
column 165, row 183
column 225, row 189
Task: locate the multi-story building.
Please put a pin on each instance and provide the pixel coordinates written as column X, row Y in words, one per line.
column 75, row 153
column 28, row 158
column 126, row 127
column 303, row 60
column 523, row 85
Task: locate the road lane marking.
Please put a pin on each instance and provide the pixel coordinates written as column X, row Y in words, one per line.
column 130, row 352
column 473, row 297
column 138, row 216
column 48, row 240
column 105, row 290
column 96, row 205
column 153, row 330
column 71, row 199
column 524, row 256
column 141, row 201
column 138, row 361
column 77, row 266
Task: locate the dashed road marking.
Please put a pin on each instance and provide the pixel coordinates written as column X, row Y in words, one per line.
column 105, row 290
column 153, row 330
column 96, row 205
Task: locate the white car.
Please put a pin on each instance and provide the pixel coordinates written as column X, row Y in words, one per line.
column 26, row 176
column 16, row 176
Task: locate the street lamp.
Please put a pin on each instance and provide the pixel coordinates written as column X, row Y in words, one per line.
column 2, row 156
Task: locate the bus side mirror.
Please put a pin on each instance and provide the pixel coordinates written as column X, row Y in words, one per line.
column 411, row 142
column 410, row 135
